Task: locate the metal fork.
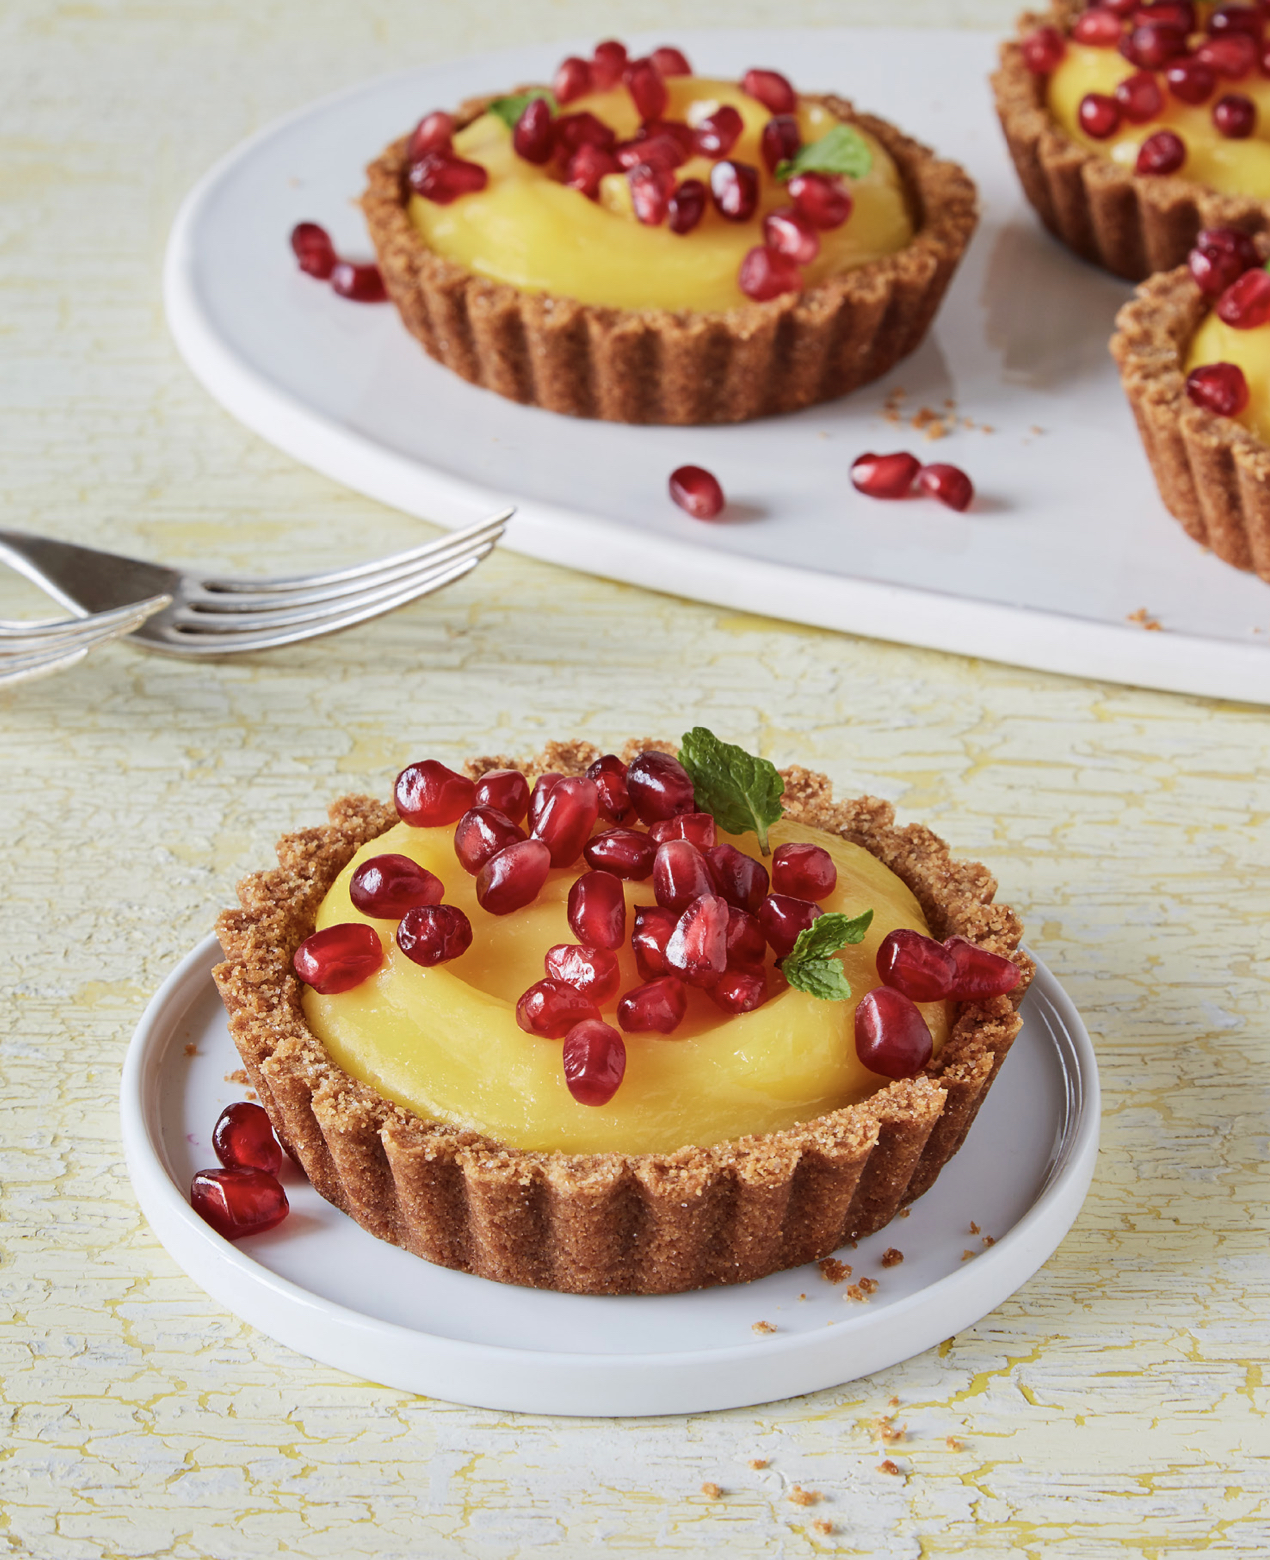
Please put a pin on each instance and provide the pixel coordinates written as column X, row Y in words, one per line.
column 211, row 615
column 39, row 646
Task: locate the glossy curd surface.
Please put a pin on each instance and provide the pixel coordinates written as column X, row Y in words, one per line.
column 1217, row 342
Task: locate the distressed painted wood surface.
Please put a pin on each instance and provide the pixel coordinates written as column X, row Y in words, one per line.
column 1115, row 1405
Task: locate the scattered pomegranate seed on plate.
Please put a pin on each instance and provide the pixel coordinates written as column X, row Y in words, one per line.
column 243, row 1139
column 1219, row 388
column 594, row 1060
column 360, row 283
column 313, row 249
column 949, row 484
column 387, row 886
column 339, row 957
column 238, row 1202
column 434, row 934
column 891, row 1036
column 885, row 476
column 697, row 491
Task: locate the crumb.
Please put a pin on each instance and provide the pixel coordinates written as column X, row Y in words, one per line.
column 862, row 1290
column 949, row 403
column 712, row 1492
column 888, row 1467
column 936, row 430
column 252, row 1095
column 966, row 1255
column 953, row 1444
column 802, row 1297
column 1035, row 429
column 989, row 1240
column 238, row 1077
column 891, row 1257
column 986, row 428
column 869, row 1285
column 821, row 1526
column 191, row 1049
column 904, row 1213
column 884, row 1430
column 892, row 1402
column 762, row 1327
column 974, row 1228
column 758, row 1462
column 798, row 1496
column 1144, row 620
column 833, row 1271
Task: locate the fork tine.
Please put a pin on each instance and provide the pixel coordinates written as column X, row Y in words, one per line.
column 24, row 668
column 51, row 633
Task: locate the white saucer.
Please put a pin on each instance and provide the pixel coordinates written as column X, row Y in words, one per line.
column 322, row 1285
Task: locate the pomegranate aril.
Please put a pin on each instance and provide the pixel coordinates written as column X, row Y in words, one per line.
column 1099, row 115
column 1233, row 19
column 765, row 275
column 1218, row 387
column 574, row 131
column 669, row 130
column 920, row 967
column 980, row 974
column 780, row 139
column 543, row 787
column 243, row 1139
column 680, row 875
column 607, row 64
column 949, row 484
column 771, row 89
column 697, row 491
column 339, row 957
column 891, row 1036
column 718, row 133
column 572, row 79
column 625, row 853
column 442, row 178
column 534, row 137
column 1235, row 116
column 428, row 794
column 564, row 825
column 653, row 930
column 1120, row 7
column 788, row 232
column 1100, row 28
column 738, row 878
column 740, row 991
column 597, row 910
column 594, row 1060
column 1139, row 97
column 360, row 283
column 481, row 833
column 387, row 886
column 312, row 247
column 734, row 186
column 514, row 878
column 238, row 1202
column 592, row 971
column 671, row 62
column 658, row 1007
column 698, row 946
column 1233, row 56
column 1043, row 50
column 1151, row 45
column 433, row 133
column 687, row 206
column 747, row 947
column 1191, row 81
column 648, row 91
column 805, row 871
column 506, row 789
column 822, row 198
column 434, row 934
column 885, row 476
column 662, row 151
column 1164, row 152
column 1246, row 302
column 1220, row 257
column 783, row 918
column 659, row 786
column 588, row 165
column 698, row 829
column 651, row 189
column 1166, row 13
column 608, row 775
column 551, row 1007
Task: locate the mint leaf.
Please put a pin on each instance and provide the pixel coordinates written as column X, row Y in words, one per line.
column 743, row 792
column 842, row 150
column 509, row 109
column 810, row 965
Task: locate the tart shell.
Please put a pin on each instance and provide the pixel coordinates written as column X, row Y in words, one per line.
column 610, row 1223
column 1129, row 224
column 655, row 366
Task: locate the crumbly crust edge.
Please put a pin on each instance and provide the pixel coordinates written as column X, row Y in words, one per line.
column 654, row 366
column 610, row 1223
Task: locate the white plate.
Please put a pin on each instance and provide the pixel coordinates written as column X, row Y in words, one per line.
column 328, row 1289
column 1068, row 537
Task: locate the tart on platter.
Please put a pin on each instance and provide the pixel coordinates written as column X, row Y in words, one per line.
column 726, row 1070
column 643, row 245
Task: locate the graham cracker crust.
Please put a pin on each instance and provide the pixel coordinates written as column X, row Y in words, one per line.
column 689, row 367
column 1129, row 224
column 610, row 1223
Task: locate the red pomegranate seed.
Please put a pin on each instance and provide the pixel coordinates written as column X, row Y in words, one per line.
column 980, row 974
column 747, row 947
column 771, row 89
column 1151, row 46
column 339, row 957
column 1120, row 7
column 698, row 946
column 429, row 795
column 597, row 910
column 780, row 139
column 740, row 991
column 360, row 283
column 442, row 178
column 659, row 786
column 740, row 879
column 783, row 918
column 1043, row 50
column 572, row 79
column 608, row 775
column 588, row 165
column 659, row 1006
column 670, row 129
column 885, row 476
column 651, row 189
column 790, row 233
column 734, row 186
column 718, row 133
column 1246, row 303
column 765, row 275
column 543, row 787
column 506, row 789
column 238, row 1202
column 567, row 818
column 920, row 967
column 592, row 971
column 1227, row 19
column 891, row 1036
column 1218, row 387
column 653, row 930
column 697, row 491
column 671, row 62
column 1220, row 257
column 687, row 206
column 1099, row 115
column 594, row 1062
column 387, row 886
column 243, row 1139
column 434, row 934
column 1163, row 152
column 433, row 133
column 313, row 249
column 1099, row 28
column 481, row 833
column 1166, row 13
column 698, row 829
column 662, row 151
column 551, row 1007
column 680, row 875
column 1233, row 56
column 822, row 198
column 648, row 92
column 513, row 879
column 608, row 63
column 949, row 484
column 583, row 129
column 534, row 137
column 1191, row 81
column 1139, row 97
column 1235, row 116
column 803, row 871
column 625, row 853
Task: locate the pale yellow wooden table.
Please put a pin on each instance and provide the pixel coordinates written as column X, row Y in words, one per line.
column 1115, row 1405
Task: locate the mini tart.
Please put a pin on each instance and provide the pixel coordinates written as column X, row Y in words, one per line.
column 1213, row 473
column 655, row 366
column 1127, row 223
column 610, row 1223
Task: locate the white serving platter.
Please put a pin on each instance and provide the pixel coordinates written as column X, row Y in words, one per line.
column 322, row 1285
column 1068, row 537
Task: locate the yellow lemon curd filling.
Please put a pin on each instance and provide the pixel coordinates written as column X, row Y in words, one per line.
column 444, row 1043
column 1217, row 342
column 1233, row 167
column 531, row 231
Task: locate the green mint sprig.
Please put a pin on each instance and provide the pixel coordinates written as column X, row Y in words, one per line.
column 509, row 109
column 842, row 150
column 741, row 791
column 811, row 967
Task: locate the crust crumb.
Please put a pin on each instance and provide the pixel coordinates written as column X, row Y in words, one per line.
column 974, row 1228
column 892, row 1257
column 904, row 1213
column 862, row 1290
column 822, row 1526
column 1144, row 620
column 953, row 1444
column 989, row 1240
column 238, row 1076
column 802, row 1297
column 763, row 1327
column 892, row 1402
column 798, row 1496
column 758, row 1462
column 889, row 1467
column 966, row 1255
column 885, row 1430
column 712, row 1492
column 191, row 1048
column 833, row 1271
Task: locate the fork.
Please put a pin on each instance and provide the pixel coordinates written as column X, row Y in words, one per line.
column 42, row 645
column 211, row 615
